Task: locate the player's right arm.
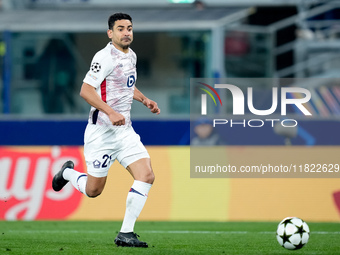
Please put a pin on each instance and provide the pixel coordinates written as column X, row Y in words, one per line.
column 101, row 67
column 90, row 95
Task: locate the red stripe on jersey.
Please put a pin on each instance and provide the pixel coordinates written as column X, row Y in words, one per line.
column 103, row 90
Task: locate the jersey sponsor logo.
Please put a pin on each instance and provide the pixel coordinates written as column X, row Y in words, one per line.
column 95, row 67
column 131, row 81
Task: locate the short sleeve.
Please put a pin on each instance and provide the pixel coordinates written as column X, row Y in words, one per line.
column 101, row 67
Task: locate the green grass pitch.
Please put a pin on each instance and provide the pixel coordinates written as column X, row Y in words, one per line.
column 91, row 237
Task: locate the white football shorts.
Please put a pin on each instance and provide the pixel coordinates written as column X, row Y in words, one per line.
column 103, row 145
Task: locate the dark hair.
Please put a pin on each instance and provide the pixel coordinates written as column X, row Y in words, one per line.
column 117, row 16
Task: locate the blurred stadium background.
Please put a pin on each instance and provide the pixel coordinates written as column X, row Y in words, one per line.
column 46, row 47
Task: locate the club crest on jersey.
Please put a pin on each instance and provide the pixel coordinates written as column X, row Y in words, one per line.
column 95, row 67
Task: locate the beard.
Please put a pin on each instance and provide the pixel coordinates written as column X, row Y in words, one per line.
column 125, row 46
column 125, row 42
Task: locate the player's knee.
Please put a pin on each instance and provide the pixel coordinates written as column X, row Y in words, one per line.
column 150, row 177
column 93, row 192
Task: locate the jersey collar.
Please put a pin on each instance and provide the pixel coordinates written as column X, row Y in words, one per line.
column 110, row 44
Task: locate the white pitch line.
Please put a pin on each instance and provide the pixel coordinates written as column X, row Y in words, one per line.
column 58, row 231
column 326, row 232
column 192, row 232
column 160, row 232
column 229, row 232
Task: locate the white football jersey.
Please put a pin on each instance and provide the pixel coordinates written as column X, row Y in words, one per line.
column 113, row 74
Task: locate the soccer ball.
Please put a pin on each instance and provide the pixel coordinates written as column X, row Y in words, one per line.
column 292, row 233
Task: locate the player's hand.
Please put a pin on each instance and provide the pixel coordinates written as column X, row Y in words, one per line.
column 117, row 119
column 152, row 105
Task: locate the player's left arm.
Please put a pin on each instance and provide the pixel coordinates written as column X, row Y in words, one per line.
column 152, row 105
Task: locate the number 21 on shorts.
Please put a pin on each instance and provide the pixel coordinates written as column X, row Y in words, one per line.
column 107, row 159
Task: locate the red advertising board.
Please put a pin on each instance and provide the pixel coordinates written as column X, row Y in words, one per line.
column 26, row 188
column 26, row 182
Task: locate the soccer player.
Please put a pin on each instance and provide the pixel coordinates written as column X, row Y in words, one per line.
column 109, row 87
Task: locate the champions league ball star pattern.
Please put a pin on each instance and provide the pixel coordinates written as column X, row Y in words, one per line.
column 292, row 233
column 95, row 67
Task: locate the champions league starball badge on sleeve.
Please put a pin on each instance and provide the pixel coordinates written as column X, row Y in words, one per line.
column 95, row 67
